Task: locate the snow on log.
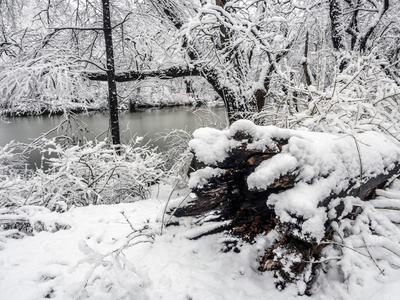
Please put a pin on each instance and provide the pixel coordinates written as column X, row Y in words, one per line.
column 290, row 183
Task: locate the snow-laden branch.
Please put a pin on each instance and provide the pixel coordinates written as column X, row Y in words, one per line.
column 373, row 24
column 75, row 28
column 132, row 75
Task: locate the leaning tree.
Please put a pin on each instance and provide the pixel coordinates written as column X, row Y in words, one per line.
column 235, row 47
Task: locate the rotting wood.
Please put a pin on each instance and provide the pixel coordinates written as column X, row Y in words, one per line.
column 230, row 198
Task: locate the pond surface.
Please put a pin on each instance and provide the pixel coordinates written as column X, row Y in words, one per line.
column 148, row 123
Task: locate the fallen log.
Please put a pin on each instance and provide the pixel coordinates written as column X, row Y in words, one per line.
column 291, row 183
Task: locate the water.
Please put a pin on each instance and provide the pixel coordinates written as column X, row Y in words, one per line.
column 148, row 123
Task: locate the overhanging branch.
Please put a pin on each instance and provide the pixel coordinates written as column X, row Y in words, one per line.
column 132, row 75
column 76, row 28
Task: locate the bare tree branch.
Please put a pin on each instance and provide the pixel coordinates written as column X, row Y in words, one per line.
column 132, row 75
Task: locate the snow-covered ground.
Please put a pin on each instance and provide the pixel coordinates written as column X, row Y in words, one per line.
column 118, row 252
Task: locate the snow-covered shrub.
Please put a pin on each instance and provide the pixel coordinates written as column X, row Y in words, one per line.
column 12, row 161
column 360, row 98
column 18, row 204
column 93, row 173
column 78, row 175
column 177, row 156
column 15, row 184
column 111, row 274
column 31, row 82
column 183, row 99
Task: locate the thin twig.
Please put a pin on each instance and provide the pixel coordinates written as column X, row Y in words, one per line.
column 176, row 208
column 166, row 206
column 369, row 253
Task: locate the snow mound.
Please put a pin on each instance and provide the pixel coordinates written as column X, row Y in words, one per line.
column 324, row 164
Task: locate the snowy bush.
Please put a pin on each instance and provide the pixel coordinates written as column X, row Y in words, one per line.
column 12, row 161
column 15, row 178
column 177, row 157
column 360, row 98
column 31, row 83
column 93, row 173
column 79, row 175
column 18, row 204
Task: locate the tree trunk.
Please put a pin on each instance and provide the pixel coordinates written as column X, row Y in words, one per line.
column 337, row 32
column 305, row 62
column 112, row 87
column 336, row 25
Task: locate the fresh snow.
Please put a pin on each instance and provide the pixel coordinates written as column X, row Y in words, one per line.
column 102, row 255
column 99, row 257
column 200, row 178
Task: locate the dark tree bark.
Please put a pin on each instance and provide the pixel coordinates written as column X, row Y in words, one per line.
column 335, row 15
column 353, row 27
column 336, row 23
column 305, row 62
column 189, row 86
column 112, row 87
column 168, row 73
